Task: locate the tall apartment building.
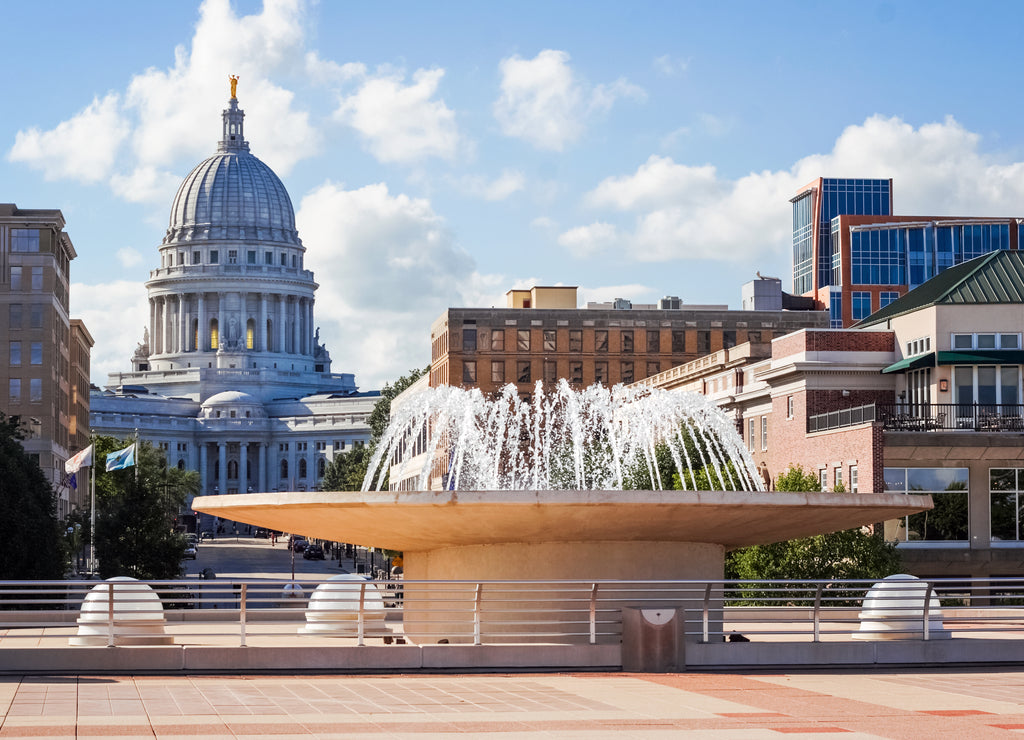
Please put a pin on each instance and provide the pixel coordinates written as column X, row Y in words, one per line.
column 541, row 334
column 854, row 257
column 43, row 388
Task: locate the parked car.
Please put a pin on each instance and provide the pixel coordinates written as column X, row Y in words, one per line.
column 299, row 545
column 260, row 532
column 207, row 534
column 190, row 552
column 313, row 552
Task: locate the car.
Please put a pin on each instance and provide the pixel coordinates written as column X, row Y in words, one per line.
column 260, row 532
column 313, row 552
column 299, row 545
column 190, row 552
column 192, row 539
column 207, row 534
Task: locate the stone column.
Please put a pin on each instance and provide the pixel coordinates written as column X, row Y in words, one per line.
column 292, row 472
column 221, row 320
column 311, row 465
column 243, row 462
column 222, row 457
column 168, row 326
column 309, row 327
column 203, row 475
column 283, row 320
column 182, row 324
column 202, row 342
column 296, row 330
column 261, row 466
column 261, row 325
column 152, row 326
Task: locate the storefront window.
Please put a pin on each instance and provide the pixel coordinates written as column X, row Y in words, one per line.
column 948, row 488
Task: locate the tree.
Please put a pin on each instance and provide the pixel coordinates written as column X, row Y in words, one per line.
column 347, row 470
column 850, row 554
column 136, row 508
column 31, row 546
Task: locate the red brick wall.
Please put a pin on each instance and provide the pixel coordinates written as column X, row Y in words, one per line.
column 832, row 340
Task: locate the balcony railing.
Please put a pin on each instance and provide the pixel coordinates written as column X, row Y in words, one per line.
column 952, row 417
column 841, row 418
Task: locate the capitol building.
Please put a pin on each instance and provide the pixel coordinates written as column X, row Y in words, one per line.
column 231, row 379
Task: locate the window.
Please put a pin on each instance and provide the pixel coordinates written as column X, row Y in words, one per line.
column 302, row 467
column 268, row 258
column 214, row 256
column 523, row 340
column 468, row 340
column 754, row 336
column 653, row 368
column 750, row 434
column 678, row 342
column 627, row 372
column 789, row 407
column 837, row 477
column 703, row 342
column 196, row 258
column 284, row 260
column 986, row 341
column 601, row 373
column 886, row 297
column 861, row 302
column 321, row 467
column 550, row 340
column 14, row 353
column 1006, row 501
column 14, row 316
column 284, row 469
column 37, row 353
column 576, row 373
column 523, row 371
column 575, row 340
column 498, row 371
column 469, row 371
column 627, row 340
column 653, row 340
column 282, row 447
column 24, row 240
column 728, row 338
column 37, row 278
column 15, row 278
column 232, row 256
column 853, row 479
column 1009, row 341
column 35, row 316
column 601, row 340
column 823, row 479
column 550, row 373
column 250, row 257
column 764, row 433
column 181, row 258
column 14, row 390
column 498, row 340
column 948, row 488
column 35, row 390
column 232, row 470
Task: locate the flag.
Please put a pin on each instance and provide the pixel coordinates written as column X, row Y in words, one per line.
column 69, row 481
column 83, row 458
column 121, row 459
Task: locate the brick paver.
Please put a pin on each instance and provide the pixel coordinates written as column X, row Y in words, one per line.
column 850, row 704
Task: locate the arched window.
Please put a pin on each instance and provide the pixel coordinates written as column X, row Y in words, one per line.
column 284, row 469
column 233, row 469
column 214, row 334
column 302, row 467
column 181, row 464
column 250, row 330
column 321, row 467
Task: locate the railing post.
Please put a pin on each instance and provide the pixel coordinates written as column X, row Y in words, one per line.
column 925, row 610
column 707, row 609
column 360, row 631
column 241, row 615
column 476, row 614
column 593, row 614
column 110, row 614
column 817, row 613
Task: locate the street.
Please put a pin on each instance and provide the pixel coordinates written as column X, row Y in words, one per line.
column 249, row 557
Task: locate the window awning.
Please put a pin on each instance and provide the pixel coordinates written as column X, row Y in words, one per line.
column 982, row 357
column 911, row 363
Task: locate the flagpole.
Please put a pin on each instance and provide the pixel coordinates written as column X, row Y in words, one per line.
column 92, row 516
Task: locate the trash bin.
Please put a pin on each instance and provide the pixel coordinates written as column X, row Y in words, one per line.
column 653, row 640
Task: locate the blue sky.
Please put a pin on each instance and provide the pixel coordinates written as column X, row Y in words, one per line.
column 439, row 154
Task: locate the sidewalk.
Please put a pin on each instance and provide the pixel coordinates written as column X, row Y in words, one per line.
column 925, row 705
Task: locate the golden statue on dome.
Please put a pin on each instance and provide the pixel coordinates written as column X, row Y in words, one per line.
column 234, row 85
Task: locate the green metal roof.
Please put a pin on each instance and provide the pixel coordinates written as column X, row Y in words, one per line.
column 997, row 277
column 958, row 357
column 911, row 363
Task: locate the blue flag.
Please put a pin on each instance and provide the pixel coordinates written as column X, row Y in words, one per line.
column 69, row 481
column 121, row 459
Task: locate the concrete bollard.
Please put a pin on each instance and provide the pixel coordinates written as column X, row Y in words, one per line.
column 653, row 640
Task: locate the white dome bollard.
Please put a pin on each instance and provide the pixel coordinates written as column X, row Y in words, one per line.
column 893, row 609
column 138, row 615
column 334, row 607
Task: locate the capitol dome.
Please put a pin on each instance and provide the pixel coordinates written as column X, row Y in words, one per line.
column 232, row 195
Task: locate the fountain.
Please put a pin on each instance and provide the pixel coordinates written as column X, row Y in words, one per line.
column 511, row 489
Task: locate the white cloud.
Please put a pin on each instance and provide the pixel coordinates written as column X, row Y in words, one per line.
column 387, row 266
column 584, row 241
column 129, row 257
column 687, row 212
column 544, row 104
column 162, row 112
column 83, row 148
column 545, row 223
column 116, row 314
column 399, row 122
column 670, row 66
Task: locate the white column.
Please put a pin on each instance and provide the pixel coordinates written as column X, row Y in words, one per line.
column 182, row 324
column 152, row 326
column 261, row 325
column 221, row 320
column 243, row 462
column 310, row 345
column 222, row 457
column 261, row 466
column 168, row 329
column 295, row 327
column 203, row 477
column 202, row 340
column 283, row 321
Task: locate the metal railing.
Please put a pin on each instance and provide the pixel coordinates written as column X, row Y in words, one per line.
column 932, row 417
column 842, row 418
column 497, row 612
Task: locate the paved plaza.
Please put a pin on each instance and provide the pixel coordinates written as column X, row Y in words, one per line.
column 921, row 704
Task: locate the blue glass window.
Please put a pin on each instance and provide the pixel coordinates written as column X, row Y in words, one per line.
column 886, row 297
column 835, row 310
column 861, row 304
